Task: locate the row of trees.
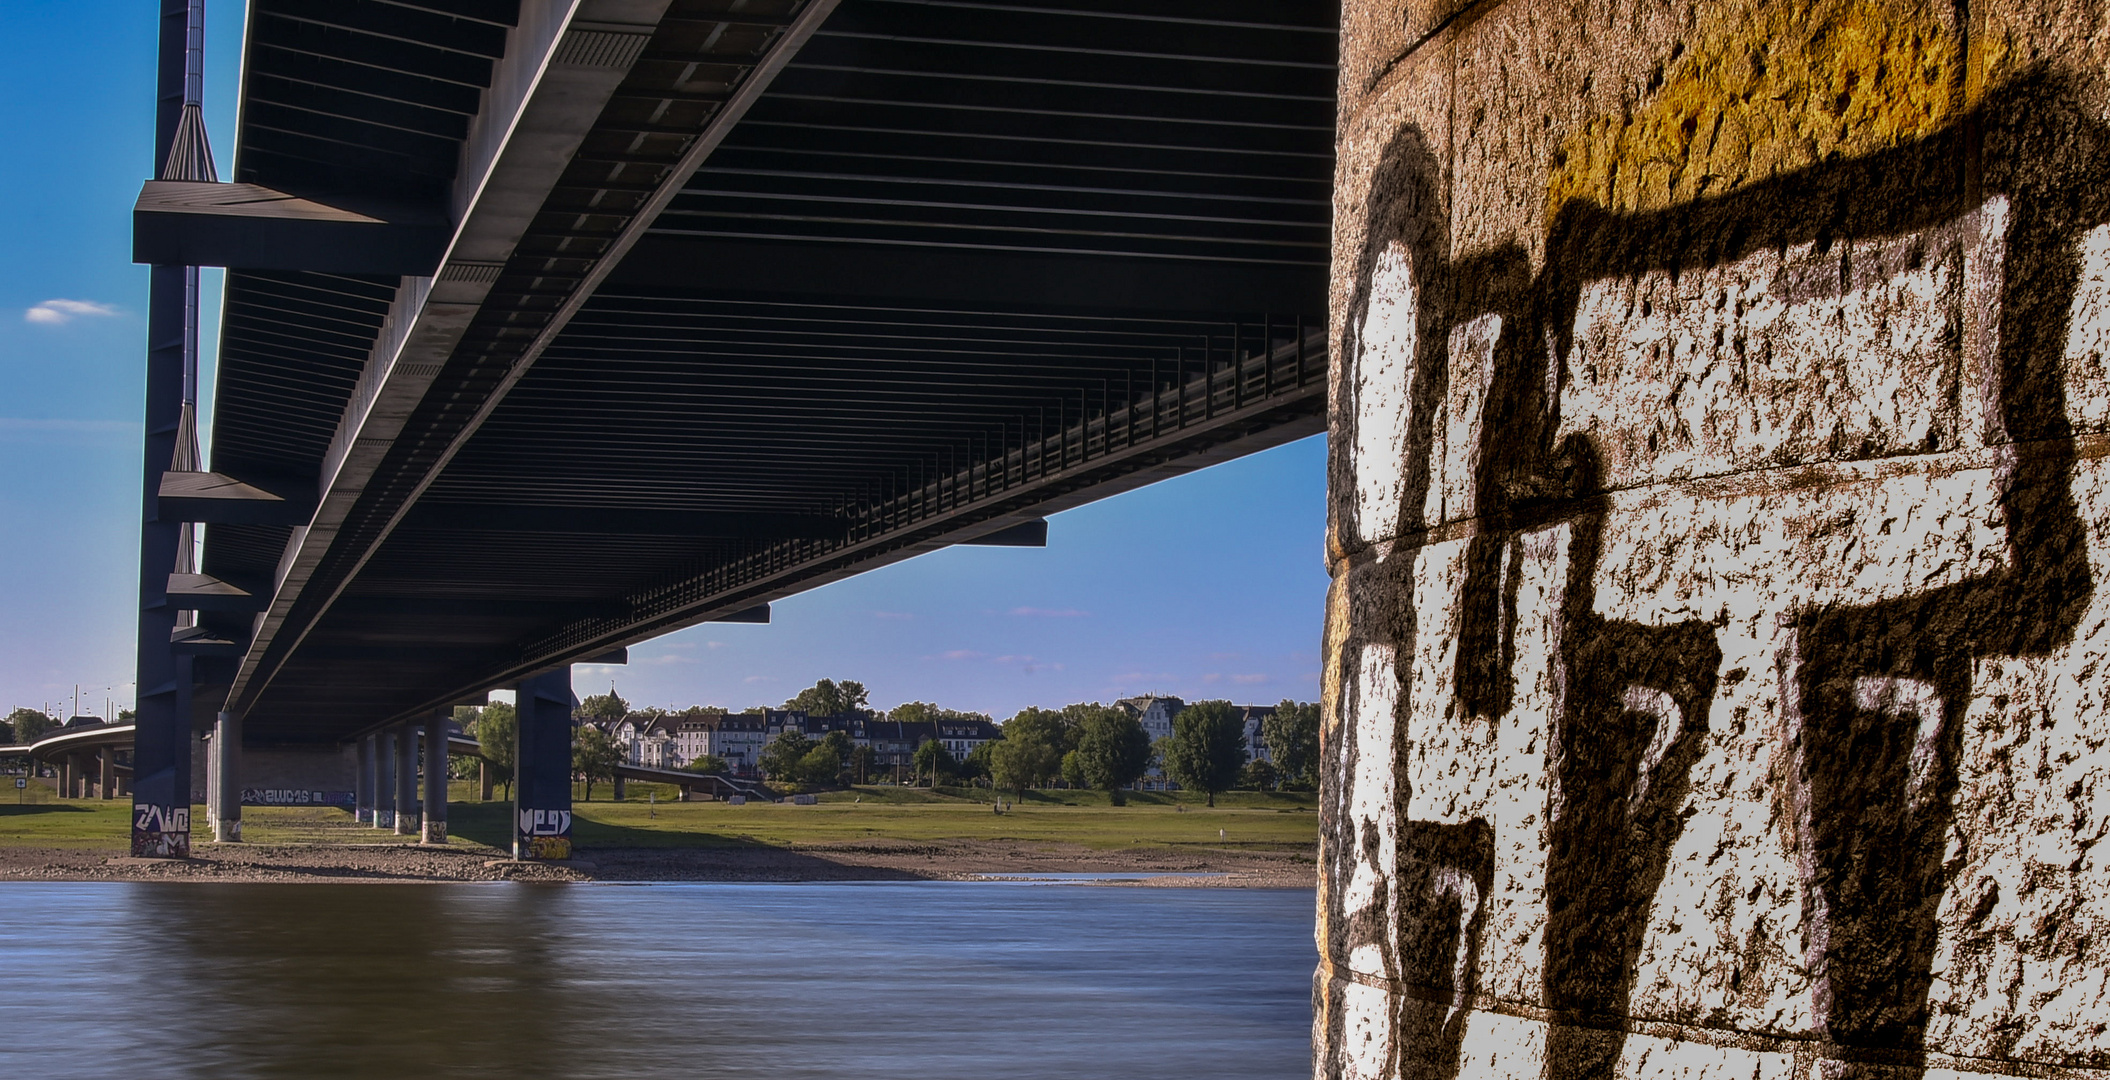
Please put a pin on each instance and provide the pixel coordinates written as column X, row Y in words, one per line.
column 25, row 725
column 824, row 698
column 1085, row 745
column 594, row 754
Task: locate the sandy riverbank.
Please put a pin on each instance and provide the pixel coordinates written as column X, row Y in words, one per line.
column 854, row 861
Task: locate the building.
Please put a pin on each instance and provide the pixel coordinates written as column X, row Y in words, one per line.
column 1154, row 712
column 894, row 744
column 816, row 727
column 960, row 737
column 1255, row 738
column 737, row 738
column 640, row 735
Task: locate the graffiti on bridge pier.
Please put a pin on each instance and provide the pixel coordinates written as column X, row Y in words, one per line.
column 161, row 832
column 544, row 834
column 1565, row 492
column 296, row 797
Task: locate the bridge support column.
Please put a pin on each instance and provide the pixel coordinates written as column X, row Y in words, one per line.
column 161, row 737
column 406, row 780
column 385, row 779
column 620, row 790
column 1643, row 704
column 542, row 767
column 106, row 788
column 212, row 780
column 435, row 827
column 483, row 779
column 65, row 777
column 363, row 783
column 227, row 778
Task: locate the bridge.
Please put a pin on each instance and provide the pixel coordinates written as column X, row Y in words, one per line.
column 88, row 758
column 1715, row 656
column 550, row 328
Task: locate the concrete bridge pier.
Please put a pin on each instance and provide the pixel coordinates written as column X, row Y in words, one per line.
column 434, row 830
column 363, row 783
column 1719, row 527
column 210, row 747
column 227, row 778
column 542, row 767
column 406, row 740
column 385, row 779
column 106, row 788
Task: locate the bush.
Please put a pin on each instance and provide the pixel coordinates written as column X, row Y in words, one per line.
column 821, row 766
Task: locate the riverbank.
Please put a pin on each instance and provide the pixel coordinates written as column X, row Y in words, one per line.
column 872, row 861
column 1253, row 841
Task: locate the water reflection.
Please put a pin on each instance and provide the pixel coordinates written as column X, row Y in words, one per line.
column 922, row 979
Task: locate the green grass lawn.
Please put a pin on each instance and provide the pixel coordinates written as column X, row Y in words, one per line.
column 648, row 818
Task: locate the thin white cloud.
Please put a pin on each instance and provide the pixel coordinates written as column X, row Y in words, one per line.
column 14, row 425
column 1142, row 676
column 1026, row 664
column 961, row 654
column 61, row 312
column 758, row 679
column 1248, row 680
column 1050, row 613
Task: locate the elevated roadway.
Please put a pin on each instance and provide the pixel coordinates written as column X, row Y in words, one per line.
column 553, row 327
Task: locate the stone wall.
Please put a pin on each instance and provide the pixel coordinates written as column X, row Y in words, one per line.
column 1720, row 534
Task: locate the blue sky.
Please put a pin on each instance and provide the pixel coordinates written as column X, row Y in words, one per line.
column 1211, row 585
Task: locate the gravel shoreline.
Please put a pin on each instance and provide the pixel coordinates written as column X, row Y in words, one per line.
column 858, row 861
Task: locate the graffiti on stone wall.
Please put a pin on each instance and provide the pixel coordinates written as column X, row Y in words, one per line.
column 1493, row 417
column 544, row 834
column 161, row 832
column 295, row 797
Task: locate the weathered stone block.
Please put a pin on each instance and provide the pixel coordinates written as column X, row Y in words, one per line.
column 1715, row 666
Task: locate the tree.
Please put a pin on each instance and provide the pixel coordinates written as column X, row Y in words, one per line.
column 1257, row 775
column 1292, row 738
column 26, row 724
column 932, row 758
column 497, row 730
column 840, row 745
column 821, row 765
column 863, row 760
column 924, row 712
column 1073, row 771
column 594, row 756
column 976, row 765
column 1025, row 762
column 829, row 698
column 706, row 763
column 1052, row 727
column 780, row 759
column 1113, row 751
column 1207, row 747
column 608, row 706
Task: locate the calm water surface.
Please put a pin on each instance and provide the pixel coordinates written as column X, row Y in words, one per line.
column 924, row 979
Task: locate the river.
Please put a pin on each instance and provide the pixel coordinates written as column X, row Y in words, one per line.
column 898, row 979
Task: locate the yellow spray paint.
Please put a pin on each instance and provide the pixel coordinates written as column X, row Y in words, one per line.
column 1767, row 88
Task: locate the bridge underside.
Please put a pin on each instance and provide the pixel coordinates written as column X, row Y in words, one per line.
column 818, row 287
